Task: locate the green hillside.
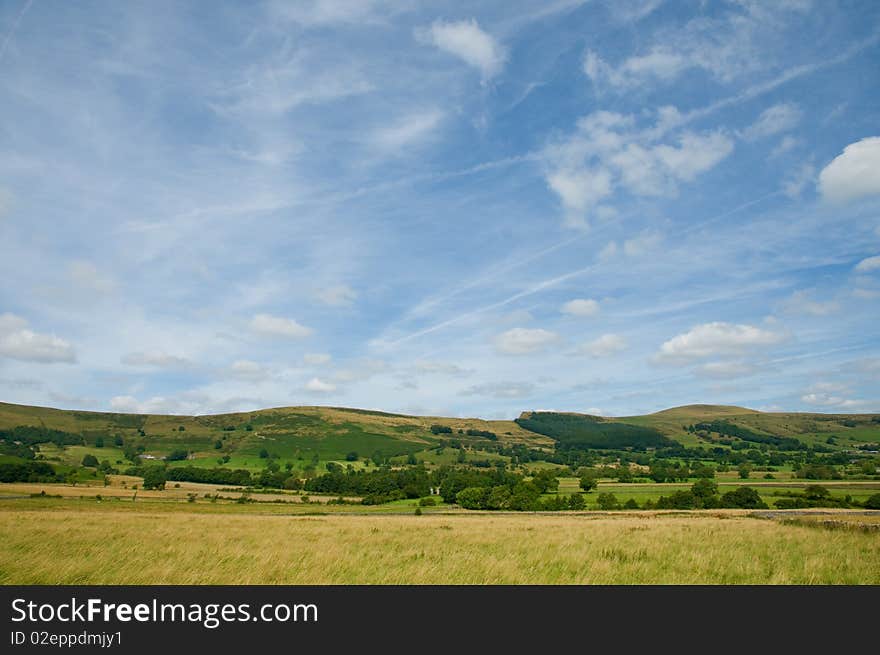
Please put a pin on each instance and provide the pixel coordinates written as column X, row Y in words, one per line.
column 312, row 436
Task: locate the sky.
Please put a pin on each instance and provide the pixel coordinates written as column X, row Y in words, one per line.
column 438, row 208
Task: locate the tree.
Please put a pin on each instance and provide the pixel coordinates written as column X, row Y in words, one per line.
column 499, row 498
column 576, row 502
column 607, row 501
column 873, row 502
column 588, row 483
column 99, row 442
column 743, row 498
column 816, row 492
column 218, row 444
column 545, row 480
column 177, row 455
column 704, row 488
column 154, row 478
column 351, row 457
column 473, row 497
column 117, row 441
column 264, row 453
column 744, row 472
column 631, row 504
column 678, row 500
column 89, row 460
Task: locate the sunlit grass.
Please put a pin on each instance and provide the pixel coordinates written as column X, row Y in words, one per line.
column 151, row 545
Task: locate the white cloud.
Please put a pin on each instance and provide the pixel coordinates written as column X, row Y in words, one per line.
column 155, row 405
column 468, row 42
column 500, row 389
column 853, row 174
column 604, row 346
column 277, row 326
column 831, row 394
column 868, row 264
column 801, row 302
column 337, row 296
column 659, row 64
column 778, row 118
column 316, row 359
column 726, row 46
column 606, row 152
column 245, row 369
column 317, row 385
column 522, row 341
column 19, row 342
column 581, row 307
column 406, row 131
column 580, row 191
column 156, row 359
column 714, row 339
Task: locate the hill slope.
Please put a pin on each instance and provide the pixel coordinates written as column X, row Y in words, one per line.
column 304, row 434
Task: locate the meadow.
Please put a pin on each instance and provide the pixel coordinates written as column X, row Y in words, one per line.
column 49, row 541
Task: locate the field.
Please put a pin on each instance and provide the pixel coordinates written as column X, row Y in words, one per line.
column 81, row 503
column 50, row 541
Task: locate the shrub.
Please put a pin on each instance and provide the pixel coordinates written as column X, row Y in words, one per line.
column 607, row 501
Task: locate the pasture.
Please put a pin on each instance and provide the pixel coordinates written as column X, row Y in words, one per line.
column 49, row 541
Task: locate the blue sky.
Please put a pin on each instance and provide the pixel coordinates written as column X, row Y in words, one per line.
column 440, row 208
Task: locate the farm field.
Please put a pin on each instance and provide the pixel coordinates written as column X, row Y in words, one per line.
column 48, row 541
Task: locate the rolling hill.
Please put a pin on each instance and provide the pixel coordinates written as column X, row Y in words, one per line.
column 320, row 434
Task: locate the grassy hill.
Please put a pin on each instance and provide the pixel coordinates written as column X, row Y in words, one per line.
column 313, row 435
column 297, row 434
column 846, row 430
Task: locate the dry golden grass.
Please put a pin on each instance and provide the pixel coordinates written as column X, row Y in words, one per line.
column 151, row 546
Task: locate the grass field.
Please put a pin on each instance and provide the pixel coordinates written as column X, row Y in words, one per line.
column 48, row 543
